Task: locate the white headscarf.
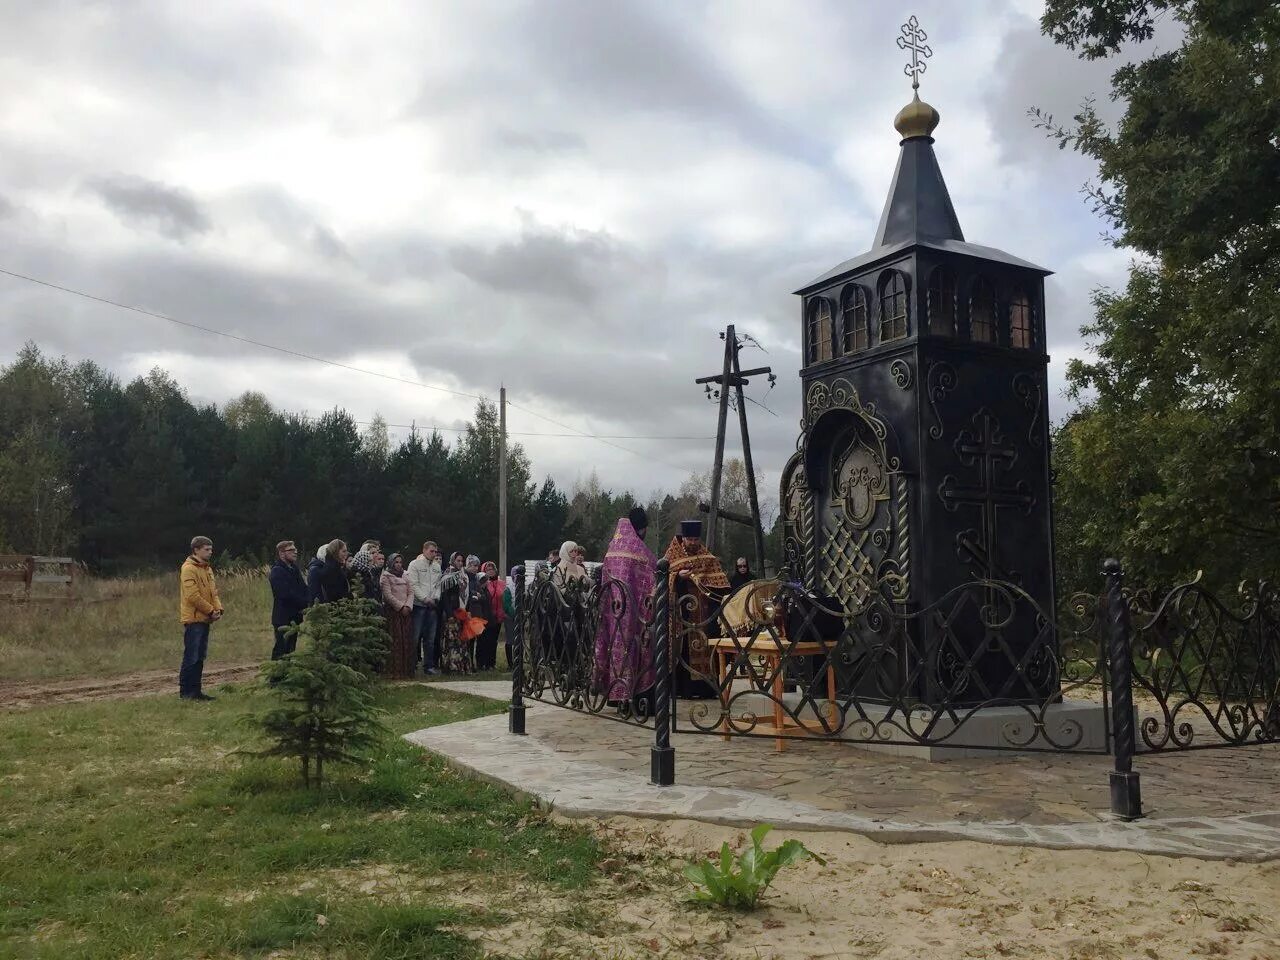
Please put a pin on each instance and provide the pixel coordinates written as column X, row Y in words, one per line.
column 568, row 568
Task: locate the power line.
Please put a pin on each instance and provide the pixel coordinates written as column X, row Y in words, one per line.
column 232, row 336
column 510, row 433
column 634, row 453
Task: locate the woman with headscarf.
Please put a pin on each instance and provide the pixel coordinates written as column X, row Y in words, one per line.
column 366, row 567
column 333, row 581
column 397, row 599
column 569, row 646
column 313, row 572
column 570, row 570
column 492, row 588
column 457, row 594
column 741, row 575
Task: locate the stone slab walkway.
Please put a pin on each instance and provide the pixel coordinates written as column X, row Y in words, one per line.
column 1210, row 804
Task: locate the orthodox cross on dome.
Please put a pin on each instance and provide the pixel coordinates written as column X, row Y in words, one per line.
column 913, row 39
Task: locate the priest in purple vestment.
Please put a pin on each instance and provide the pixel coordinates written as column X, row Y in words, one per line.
column 623, row 667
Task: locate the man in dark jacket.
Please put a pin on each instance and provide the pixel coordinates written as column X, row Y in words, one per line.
column 290, row 597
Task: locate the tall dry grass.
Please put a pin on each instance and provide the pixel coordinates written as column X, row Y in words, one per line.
column 125, row 625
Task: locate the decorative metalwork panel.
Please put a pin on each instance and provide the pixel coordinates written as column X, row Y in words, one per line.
column 983, row 449
column 585, row 649
column 847, row 573
column 788, row 664
column 862, row 536
column 942, row 380
column 1206, row 675
column 797, row 519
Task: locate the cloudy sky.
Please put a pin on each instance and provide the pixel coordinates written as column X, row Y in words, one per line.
column 570, row 197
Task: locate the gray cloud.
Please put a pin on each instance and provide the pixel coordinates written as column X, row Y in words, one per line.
column 1035, row 73
column 567, row 264
column 175, row 213
column 327, row 244
column 539, row 141
column 7, row 209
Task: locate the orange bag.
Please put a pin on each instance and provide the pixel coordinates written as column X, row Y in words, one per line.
column 472, row 627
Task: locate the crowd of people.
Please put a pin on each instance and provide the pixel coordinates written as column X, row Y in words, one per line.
column 442, row 617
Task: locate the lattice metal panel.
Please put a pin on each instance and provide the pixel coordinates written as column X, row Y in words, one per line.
column 846, row 572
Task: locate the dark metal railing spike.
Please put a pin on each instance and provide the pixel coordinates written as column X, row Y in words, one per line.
column 1126, row 792
column 662, row 763
column 515, row 713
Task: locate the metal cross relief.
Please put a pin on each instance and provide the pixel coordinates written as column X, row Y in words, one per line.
column 913, row 39
column 985, row 449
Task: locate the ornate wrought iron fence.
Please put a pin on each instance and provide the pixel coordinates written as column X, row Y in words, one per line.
column 586, row 645
column 982, row 668
column 1206, row 676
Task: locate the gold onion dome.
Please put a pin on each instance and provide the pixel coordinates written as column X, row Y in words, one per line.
column 916, row 119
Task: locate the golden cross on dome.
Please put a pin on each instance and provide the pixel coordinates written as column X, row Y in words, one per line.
column 913, row 39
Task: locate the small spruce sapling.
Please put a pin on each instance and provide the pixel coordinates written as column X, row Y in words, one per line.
column 326, row 712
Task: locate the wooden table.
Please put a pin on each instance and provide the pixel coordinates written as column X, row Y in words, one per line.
column 727, row 652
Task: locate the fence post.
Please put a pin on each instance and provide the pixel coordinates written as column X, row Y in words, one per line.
column 515, row 712
column 662, row 758
column 1126, row 792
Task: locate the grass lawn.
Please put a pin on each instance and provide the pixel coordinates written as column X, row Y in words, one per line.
column 124, row 626
column 127, row 830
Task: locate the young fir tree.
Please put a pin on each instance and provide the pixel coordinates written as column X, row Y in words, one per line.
column 326, row 712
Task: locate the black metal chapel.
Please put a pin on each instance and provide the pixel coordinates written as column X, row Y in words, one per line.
column 923, row 460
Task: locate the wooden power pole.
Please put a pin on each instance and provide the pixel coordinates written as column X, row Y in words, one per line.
column 502, row 483
column 732, row 376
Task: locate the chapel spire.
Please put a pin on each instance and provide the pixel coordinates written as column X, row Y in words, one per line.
column 918, row 206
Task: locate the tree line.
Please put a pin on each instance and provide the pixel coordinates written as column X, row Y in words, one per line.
column 121, row 476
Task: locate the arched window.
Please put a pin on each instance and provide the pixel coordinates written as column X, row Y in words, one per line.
column 893, row 305
column 942, row 302
column 1021, row 326
column 819, row 329
column 855, row 319
column 982, row 311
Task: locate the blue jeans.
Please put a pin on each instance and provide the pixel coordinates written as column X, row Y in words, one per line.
column 426, row 628
column 195, row 645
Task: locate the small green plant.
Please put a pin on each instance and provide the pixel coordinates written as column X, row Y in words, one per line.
column 738, row 882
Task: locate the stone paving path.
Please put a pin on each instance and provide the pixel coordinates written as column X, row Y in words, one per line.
column 1209, row 804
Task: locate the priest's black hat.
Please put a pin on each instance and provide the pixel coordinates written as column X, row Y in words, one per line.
column 691, row 528
column 639, row 519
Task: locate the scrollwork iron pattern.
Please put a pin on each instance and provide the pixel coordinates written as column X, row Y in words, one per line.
column 941, row 381
column 901, row 676
column 562, row 665
column 1205, row 674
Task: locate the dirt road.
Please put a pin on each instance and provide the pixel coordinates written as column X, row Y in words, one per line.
column 19, row 695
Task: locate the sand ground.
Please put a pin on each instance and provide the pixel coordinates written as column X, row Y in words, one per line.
column 894, row 902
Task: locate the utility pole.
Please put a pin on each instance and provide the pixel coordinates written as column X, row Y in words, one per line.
column 502, row 483
column 718, row 464
column 732, row 375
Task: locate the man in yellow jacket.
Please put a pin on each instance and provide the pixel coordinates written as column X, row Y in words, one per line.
column 198, row 606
